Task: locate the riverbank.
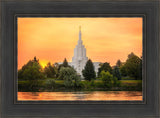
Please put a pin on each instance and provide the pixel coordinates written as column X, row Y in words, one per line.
column 97, row 85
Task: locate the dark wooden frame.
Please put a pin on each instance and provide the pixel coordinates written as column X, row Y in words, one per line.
column 147, row 9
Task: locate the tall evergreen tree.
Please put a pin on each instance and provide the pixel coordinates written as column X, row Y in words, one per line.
column 65, row 63
column 88, row 71
column 116, row 73
column 119, row 63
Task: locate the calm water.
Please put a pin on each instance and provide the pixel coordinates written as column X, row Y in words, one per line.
column 96, row 95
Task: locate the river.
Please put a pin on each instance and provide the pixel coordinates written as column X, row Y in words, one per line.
column 71, row 96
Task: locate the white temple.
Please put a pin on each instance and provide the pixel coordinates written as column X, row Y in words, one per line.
column 79, row 59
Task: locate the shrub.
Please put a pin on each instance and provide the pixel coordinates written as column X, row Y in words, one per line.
column 77, row 81
column 50, row 84
column 99, row 84
column 92, row 83
column 86, row 85
column 31, row 85
column 107, row 79
column 116, row 83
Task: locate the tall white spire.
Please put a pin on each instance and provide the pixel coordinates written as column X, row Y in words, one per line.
column 79, row 59
column 80, row 40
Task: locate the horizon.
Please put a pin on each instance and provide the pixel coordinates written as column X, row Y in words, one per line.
column 43, row 66
column 49, row 45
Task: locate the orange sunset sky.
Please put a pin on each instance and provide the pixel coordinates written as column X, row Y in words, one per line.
column 53, row 39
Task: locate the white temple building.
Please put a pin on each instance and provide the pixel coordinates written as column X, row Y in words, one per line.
column 79, row 59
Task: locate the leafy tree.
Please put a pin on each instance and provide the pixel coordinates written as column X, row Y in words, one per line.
column 123, row 70
column 49, row 71
column 116, row 72
column 66, row 72
column 106, row 67
column 133, row 65
column 131, row 55
column 88, row 71
column 107, row 79
column 69, row 76
column 56, row 68
column 119, row 63
column 20, row 74
column 140, row 70
column 64, row 64
column 32, row 71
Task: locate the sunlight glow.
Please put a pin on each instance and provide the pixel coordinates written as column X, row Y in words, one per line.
column 43, row 63
column 53, row 39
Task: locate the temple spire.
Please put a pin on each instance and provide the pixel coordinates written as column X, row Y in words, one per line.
column 79, row 59
column 79, row 41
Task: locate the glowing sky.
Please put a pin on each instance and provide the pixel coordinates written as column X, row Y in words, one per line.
column 53, row 39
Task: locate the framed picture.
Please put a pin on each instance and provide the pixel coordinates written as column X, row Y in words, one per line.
column 80, row 59
column 82, row 78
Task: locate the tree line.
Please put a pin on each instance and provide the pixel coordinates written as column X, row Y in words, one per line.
column 33, row 71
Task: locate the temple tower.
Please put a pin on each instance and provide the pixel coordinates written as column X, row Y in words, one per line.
column 79, row 59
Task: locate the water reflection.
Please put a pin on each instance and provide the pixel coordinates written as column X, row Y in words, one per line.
column 68, row 96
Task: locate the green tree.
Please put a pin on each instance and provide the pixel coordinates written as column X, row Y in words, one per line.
column 88, row 71
column 49, row 71
column 116, row 73
column 32, row 71
column 56, row 67
column 119, row 63
column 64, row 64
column 140, row 70
column 131, row 55
column 123, row 70
column 107, row 79
column 106, row 67
column 133, row 66
column 69, row 76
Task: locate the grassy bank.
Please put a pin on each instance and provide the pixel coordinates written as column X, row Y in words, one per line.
column 50, row 84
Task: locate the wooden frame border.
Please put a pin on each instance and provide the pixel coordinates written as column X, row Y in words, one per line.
column 150, row 8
